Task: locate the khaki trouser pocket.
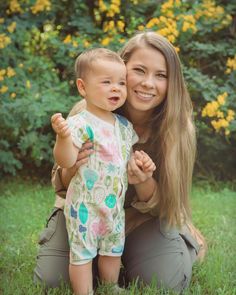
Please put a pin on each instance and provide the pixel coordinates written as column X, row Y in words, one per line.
column 50, row 228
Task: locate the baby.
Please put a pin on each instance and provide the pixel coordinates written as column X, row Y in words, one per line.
column 95, row 197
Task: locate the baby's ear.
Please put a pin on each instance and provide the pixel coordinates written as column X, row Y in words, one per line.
column 81, row 87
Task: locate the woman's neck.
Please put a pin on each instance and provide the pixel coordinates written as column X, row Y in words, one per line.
column 140, row 121
column 137, row 118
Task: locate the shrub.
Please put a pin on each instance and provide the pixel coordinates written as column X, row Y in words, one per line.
column 40, row 39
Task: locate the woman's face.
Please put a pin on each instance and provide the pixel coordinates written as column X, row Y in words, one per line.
column 146, row 80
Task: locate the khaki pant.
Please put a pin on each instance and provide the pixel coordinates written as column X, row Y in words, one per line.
column 151, row 253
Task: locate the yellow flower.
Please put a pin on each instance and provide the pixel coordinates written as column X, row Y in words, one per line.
column 221, row 123
column 28, row 84
column 152, row 23
column 210, row 109
column 68, row 39
column 47, row 28
column 171, row 38
column 224, row 123
column 220, row 114
column 221, row 98
column 12, row 27
column 21, row 65
column 116, row 2
column 14, row 7
column 177, row 49
column 163, row 19
column 2, row 73
column 120, row 25
column 3, row 89
column 167, row 27
column 86, row 43
column 121, row 40
column 141, row 28
column 230, row 115
column 110, row 14
column 10, row 72
column 13, row 95
column 108, row 26
column 216, row 125
column 4, row 41
column 75, row 44
column 227, row 132
column 186, row 26
column 189, row 23
column 106, row 41
column 2, row 20
column 231, row 65
column 101, row 5
column 115, row 8
column 72, row 54
column 41, row 5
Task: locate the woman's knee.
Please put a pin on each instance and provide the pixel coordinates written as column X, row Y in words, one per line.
column 154, row 255
column 168, row 273
column 52, row 265
column 51, row 271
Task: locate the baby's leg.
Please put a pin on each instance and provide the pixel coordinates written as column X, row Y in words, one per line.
column 109, row 268
column 81, row 278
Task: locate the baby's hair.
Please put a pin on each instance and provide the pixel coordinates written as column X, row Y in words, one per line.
column 84, row 61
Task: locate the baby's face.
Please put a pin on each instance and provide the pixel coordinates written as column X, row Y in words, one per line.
column 105, row 85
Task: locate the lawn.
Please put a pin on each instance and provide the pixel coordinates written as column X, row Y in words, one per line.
column 25, row 206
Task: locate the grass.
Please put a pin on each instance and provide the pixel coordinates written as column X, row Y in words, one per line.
column 25, row 206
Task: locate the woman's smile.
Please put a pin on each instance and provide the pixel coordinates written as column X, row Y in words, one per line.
column 144, row 95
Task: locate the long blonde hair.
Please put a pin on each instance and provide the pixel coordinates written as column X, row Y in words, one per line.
column 173, row 139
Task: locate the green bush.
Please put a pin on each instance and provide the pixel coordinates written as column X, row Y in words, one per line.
column 40, row 39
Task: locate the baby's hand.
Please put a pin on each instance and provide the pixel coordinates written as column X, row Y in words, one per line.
column 140, row 167
column 60, row 125
column 144, row 162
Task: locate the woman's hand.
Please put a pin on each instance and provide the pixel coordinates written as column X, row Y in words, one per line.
column 140, row 167
column 83, row 156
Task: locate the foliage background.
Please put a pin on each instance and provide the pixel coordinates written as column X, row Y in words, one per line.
column 39, row 40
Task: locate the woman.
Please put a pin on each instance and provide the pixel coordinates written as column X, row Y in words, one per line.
column 159, row 244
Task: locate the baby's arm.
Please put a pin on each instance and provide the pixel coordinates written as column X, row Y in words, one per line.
column 65, row 153
column 140, row 171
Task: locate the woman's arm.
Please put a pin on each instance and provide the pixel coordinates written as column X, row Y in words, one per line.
column 145, row 189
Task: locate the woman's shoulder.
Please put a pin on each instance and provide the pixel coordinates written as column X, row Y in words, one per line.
column 78, row 121
column 78, row 107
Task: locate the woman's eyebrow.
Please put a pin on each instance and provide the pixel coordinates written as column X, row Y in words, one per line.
column 140, row 65
column 162, row 71
column 144, row 67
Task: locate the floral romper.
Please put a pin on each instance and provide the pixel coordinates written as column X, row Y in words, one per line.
column 95, row 197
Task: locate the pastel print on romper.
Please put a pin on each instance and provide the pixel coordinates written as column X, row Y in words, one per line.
column 95, row 197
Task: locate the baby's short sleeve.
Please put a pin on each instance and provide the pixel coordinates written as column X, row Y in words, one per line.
column 78, row 130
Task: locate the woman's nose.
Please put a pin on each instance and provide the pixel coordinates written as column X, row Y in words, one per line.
column 148, row 82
